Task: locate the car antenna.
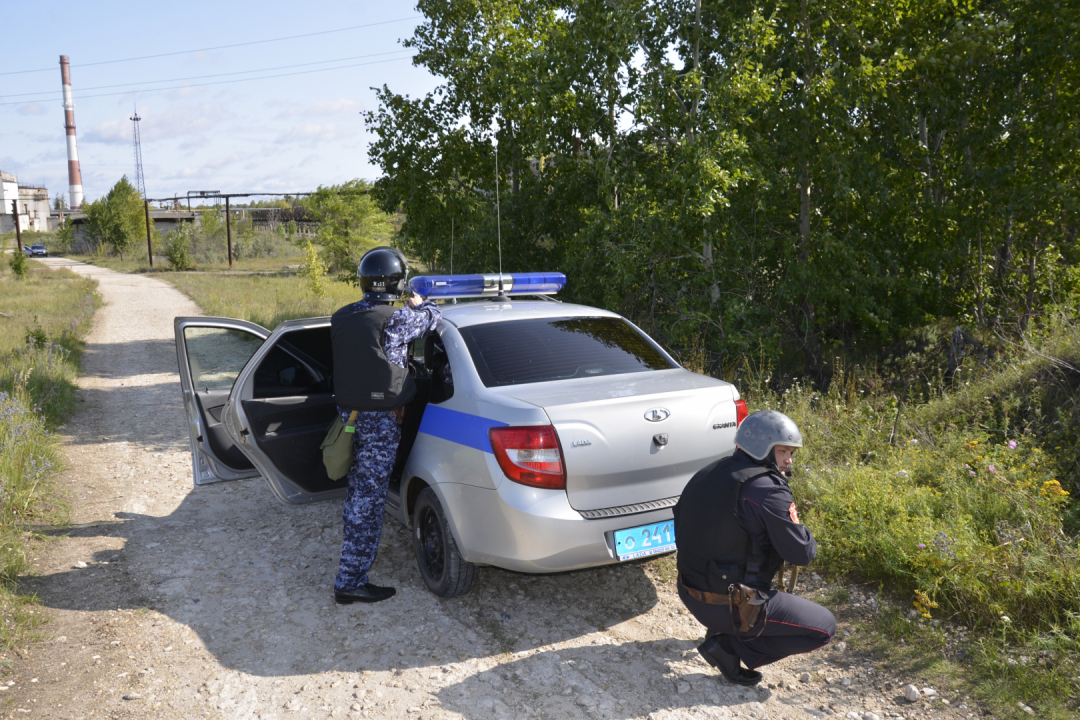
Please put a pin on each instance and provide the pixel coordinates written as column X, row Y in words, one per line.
column 498, row 212
column 452, row 250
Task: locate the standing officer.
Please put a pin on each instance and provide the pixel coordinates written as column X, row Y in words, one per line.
column 736, row 524
column 371, row 342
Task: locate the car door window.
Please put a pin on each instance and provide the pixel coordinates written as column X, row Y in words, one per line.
column 217, row 355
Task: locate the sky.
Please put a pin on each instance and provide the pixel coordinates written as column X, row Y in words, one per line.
column 200, row 129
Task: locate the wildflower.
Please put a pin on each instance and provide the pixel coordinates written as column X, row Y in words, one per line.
column 1012, row 444
column 922, row 545
column 992, row 469
column 971, row 472
column 967, row 466
column 1006, row 619
column 1052, row 488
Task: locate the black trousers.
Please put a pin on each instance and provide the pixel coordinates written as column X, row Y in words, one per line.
column 787, row 625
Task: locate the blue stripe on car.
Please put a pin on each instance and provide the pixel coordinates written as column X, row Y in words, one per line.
column 463, row 428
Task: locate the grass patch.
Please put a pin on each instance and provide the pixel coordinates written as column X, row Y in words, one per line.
column 264, row 299
column 44, row 318
column 957, row 496
column 140, row 264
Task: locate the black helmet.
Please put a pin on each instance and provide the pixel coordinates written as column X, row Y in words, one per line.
column 383, row 273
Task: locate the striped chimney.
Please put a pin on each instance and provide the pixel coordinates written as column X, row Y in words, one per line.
column 74, row 174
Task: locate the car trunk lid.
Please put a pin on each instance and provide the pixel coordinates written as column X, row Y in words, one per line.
column 636, row 438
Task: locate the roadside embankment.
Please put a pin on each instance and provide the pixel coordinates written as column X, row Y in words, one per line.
column 43, row 317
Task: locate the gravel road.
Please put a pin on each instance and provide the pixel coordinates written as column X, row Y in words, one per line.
column 166, row 601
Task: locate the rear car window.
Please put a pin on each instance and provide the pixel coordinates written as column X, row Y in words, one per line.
column 541, row 349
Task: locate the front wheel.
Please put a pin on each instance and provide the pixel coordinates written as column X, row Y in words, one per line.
column 445, row 572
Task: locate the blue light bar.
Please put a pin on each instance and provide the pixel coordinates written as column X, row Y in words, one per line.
column 474, row 286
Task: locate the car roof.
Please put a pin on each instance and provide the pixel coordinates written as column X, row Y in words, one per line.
column 480, row 312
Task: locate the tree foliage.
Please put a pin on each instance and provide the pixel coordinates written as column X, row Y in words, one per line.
column 350, row 222
column 117, row 220
column 787, row 177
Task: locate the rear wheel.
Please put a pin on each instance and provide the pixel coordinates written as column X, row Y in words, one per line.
column 445, row 572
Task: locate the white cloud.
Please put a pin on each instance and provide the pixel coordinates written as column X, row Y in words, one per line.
column 312, row 133
column 31, row 109
column 207, row 170
column 342, row 106
column 175, row 122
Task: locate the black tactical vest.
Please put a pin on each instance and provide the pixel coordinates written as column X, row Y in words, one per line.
column 714, row 550
column 363, row 378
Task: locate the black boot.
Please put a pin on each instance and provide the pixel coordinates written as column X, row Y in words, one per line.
column 367, row 593
column 727, row 663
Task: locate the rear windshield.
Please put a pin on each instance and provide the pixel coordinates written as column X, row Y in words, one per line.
column 537, row 350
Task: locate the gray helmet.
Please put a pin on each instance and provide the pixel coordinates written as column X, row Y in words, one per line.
column 765, row 429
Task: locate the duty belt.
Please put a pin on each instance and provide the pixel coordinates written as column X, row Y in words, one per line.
column 706, row 597
column 744, row 603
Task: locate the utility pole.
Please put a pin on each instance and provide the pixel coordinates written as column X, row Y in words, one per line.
column 149, row 247
column 18, row 232
column 228, row 230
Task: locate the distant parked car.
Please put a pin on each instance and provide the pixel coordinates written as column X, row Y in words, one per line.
column 38, row 250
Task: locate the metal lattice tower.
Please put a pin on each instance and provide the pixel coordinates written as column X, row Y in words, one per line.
column 140, row 181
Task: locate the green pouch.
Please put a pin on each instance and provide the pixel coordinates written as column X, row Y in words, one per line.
column 337, row 447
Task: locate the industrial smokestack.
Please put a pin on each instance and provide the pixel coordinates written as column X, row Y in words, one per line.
column 74, row 174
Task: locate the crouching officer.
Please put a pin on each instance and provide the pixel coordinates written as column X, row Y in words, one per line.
column 371, row 343
column 735, row 525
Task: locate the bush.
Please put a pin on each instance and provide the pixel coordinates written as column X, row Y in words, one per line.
column 314, row 271
column 177, row 247
column 965, row 496
column 19, row 264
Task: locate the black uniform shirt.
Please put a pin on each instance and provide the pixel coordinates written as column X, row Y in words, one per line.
column 767, row 513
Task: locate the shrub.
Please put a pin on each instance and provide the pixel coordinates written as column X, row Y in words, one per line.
column 314, row 271
column 18, row 264
column 177, row 247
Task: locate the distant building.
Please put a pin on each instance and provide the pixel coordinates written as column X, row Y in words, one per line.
column 33, row 204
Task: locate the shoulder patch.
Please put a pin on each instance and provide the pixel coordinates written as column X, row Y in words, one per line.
column 794, row 513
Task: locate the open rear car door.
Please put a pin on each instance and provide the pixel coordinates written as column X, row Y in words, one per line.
column 281, row 406
column 210, row 353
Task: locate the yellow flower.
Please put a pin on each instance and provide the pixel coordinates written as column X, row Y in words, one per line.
column 1052, row 488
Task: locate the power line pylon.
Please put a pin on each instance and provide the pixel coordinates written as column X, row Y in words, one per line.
column 140, row 181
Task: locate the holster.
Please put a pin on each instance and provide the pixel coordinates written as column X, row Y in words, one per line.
column 748, row 602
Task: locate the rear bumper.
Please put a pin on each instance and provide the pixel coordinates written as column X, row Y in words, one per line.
column 531, row 530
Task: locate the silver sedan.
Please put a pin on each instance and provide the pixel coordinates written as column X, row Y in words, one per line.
column 560, row 440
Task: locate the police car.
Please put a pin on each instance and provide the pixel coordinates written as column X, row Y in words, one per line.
column 544, row 436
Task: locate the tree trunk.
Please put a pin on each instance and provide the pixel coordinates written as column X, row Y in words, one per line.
column 1029, row 303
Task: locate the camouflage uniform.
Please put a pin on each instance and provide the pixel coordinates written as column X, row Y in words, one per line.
column 375, row 444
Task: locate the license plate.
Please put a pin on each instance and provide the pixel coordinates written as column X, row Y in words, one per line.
column 645, row 540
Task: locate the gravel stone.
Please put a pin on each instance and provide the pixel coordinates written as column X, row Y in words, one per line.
column 805, row 677
column 911, row 693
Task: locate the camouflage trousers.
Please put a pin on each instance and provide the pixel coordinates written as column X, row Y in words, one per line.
column 375, row 445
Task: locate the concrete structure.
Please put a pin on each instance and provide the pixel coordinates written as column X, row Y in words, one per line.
column 164, row 222
column 74, row 173
column 33, row 204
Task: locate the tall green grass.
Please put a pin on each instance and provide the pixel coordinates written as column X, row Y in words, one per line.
column 42, row 320
column 264, row 299
column 958, row 497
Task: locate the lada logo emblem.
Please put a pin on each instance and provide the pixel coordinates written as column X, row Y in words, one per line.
column 657, row 414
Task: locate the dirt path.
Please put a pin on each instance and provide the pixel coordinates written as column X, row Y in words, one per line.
column 169, row 602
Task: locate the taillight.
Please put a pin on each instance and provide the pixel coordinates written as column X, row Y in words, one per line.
column 529, row 455
column 740, row 412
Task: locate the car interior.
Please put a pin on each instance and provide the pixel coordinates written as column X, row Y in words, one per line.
column 292, row 405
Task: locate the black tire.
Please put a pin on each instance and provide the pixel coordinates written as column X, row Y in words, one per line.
column 445, row 572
